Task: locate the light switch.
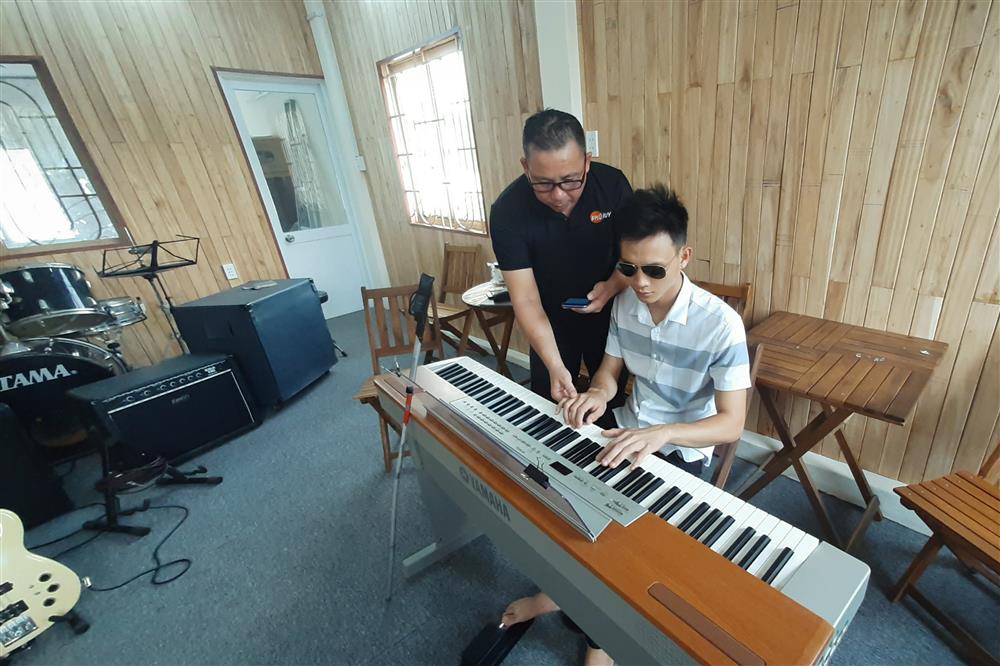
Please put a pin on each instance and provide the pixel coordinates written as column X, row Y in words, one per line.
column 230, row 271
column 592, row 143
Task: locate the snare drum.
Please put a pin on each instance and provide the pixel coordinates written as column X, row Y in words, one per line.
column 49, row 300
column 123, row 311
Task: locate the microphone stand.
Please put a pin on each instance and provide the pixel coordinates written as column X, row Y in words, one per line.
column 418, row 308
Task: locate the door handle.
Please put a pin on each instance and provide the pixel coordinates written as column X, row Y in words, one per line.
column 289, row 238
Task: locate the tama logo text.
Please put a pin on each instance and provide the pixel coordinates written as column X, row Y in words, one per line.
column 17, row 380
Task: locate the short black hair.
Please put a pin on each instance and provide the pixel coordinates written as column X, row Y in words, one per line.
column 551, row 130
column 652, row 211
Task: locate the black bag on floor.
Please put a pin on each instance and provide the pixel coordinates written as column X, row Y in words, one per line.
column 492, row 645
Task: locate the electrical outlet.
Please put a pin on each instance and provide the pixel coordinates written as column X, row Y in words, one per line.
column 230, row 271
column 592, row 147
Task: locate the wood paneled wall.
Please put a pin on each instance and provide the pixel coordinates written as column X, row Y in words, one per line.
column 137, row 79
column 501, row 59
column 843, row 157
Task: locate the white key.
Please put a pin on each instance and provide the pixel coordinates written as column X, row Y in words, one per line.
column 802, row 552
column 790, row 540
column 777, row 535
column 765, row 527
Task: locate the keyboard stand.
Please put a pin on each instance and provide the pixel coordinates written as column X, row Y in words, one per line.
column 451, row 526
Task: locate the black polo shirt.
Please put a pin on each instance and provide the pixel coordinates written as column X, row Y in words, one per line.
column 568, row 255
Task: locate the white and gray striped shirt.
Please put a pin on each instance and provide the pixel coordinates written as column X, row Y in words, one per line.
column 699, row 348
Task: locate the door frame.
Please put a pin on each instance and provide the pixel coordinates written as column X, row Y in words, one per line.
column 226, row 77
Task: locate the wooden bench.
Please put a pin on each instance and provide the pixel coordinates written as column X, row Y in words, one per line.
column 963, row 512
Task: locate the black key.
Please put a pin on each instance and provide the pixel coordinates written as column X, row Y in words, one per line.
column 480, row 393
column 448, row 370
column 735, row 548
column 610, row 472
column 692, row 518
column 591, row 457
column 542, row 426
column 576, row 448
column 590, row 449
column 627, row 479
column 465, row 382
column 664, row 499
column 514, row 405
column 703, row 526
column 676, row 506
column 533, row 424
column 638, row 484
column 648, row 490
column 778, row 564
column 719, row 530
column 524, row 415
column 752, row 554
column 550, row 427
column 561, row 439
column 489, row 396
column 494, row 398
column 495, row 403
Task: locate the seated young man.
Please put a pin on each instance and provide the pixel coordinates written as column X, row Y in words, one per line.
column 686, row 348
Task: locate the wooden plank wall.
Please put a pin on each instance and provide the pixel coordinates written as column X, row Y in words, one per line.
column 843, row 157
column 501, row 59
column 137, row 79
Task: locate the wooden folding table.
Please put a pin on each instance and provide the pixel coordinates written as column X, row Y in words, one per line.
column 847, row 370
column 490, row 314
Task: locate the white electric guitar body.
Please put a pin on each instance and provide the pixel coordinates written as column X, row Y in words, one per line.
column 33, row 589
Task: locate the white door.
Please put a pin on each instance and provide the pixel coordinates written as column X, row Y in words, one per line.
column 283, row 124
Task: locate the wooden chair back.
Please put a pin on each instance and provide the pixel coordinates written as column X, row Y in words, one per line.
column 463, row 268
column 728, row 451
column 738, row 297
column 391, row 330
column 990, row 469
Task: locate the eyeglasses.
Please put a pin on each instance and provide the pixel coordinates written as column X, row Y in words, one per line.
column 568, row 185
column 654, row 271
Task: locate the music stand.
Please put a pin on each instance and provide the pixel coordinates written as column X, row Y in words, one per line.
column 145, row 261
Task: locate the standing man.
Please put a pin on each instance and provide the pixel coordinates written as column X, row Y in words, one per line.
column 553, row 236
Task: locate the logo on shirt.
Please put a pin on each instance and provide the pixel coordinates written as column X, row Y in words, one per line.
column 597, row 216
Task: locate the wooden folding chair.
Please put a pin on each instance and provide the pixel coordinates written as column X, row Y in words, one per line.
column 392, row 332
column 963, row 512
column 727, row 452
column 738, row 297
column 462, row 270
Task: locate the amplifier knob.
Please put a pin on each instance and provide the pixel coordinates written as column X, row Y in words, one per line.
column 199, row 373
column 173, row 384
column 163, row 387
column 146, row 392
column 183, row 380
column 130, row 398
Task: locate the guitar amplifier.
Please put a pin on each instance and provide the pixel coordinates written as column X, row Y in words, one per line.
column 175, row 409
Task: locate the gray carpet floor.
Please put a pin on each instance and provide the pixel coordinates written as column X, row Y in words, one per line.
column 289, row 555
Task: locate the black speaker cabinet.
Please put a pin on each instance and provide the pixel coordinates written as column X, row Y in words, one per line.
column 176, row 408
column 274, row 328
column 28, row 486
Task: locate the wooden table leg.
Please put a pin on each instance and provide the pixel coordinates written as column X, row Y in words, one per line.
column 500, row 356
column 859, row 476
column 508, row 328
column 793, row 448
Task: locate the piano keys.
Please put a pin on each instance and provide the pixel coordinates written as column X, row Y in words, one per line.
column 527, row 429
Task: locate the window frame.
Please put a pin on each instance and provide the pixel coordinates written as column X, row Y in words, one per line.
column 381, row 70
column 88, row 165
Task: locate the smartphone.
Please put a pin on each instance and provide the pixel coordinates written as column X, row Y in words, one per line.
column 573, row 303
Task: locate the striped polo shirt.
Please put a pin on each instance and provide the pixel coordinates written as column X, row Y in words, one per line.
column 700, row 347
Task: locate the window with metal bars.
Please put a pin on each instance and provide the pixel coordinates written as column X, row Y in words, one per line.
column 53, row 200
column 430, row 120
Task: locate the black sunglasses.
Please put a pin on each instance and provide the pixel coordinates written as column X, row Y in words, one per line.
column 654, row 271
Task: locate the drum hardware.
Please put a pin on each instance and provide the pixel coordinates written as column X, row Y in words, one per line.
column 47, row 300
column 124, row 311
column 35, row 374
column 145, row 261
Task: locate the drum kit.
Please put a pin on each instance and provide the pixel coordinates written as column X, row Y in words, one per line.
column 55, row 336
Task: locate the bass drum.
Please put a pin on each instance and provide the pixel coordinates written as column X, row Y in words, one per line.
column 35, row 375
column 49, row 300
